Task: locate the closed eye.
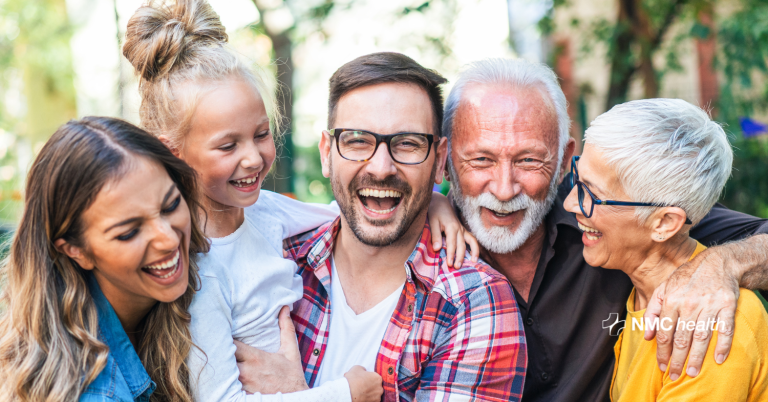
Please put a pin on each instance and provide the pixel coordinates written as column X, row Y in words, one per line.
column 173, row 206
column 129, row 235
column 228, row 147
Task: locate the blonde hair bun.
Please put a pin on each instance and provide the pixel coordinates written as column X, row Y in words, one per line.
column 162, row 35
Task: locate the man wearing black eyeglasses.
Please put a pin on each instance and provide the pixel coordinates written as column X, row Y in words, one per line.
column 376, row 294
column 509, row 148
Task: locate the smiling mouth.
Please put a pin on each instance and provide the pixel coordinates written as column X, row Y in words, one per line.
column 591, row 233
column 501, row 214
column 379, row 202
column 245, row 182
column 164, row 269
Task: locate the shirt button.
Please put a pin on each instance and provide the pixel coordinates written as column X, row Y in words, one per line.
column 316, row 352
column 544, row 377
column 390, row 371
column 410, row 308
column 529, row 321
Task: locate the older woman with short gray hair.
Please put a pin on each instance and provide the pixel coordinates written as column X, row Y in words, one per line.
column 651, row 169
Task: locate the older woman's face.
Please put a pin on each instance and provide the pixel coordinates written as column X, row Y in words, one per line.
column 613, row 238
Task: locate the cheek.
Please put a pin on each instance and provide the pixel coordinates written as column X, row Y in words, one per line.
column 472, row 182
column 535, row 184
column 268, row 154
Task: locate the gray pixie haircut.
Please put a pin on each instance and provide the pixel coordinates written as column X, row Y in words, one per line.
column 664, row 151
column 516, row 73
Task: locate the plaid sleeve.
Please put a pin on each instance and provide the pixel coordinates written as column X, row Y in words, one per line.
column 481, row 355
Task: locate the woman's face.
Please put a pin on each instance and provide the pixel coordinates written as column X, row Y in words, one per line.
column 136, row 237
column 230, row 144
column 613, row 238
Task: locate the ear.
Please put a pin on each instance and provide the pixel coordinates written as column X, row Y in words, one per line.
column 666, row 223
column 75, row 253
column 441, row 155
column 567, row 155
column 325, row 152
column 168, row 144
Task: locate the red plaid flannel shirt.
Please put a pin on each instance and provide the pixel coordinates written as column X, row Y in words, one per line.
column 456, row 334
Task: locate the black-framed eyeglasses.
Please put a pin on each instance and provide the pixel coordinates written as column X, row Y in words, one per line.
column 587, row 204
column 360, row 145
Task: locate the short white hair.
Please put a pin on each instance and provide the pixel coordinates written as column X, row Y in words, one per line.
column 518, row 74
column 664, row 151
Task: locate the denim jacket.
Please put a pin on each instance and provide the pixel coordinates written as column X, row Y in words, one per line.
column 124, row 378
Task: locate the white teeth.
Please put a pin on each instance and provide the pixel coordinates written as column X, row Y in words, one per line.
column 589, row 230
column 369, row 192
column 247, row 181
column 165, row 265
column 386, row 211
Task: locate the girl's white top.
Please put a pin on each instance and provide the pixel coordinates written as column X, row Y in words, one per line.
column 245, row 281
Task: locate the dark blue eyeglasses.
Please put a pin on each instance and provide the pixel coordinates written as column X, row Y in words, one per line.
column 587, row 204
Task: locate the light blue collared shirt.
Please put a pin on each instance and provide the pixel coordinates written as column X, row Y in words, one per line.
column 124, row 378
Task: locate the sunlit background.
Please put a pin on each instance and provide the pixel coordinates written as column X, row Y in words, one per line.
column 61, row 59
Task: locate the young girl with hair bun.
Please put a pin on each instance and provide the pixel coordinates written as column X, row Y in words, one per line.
column 216, row 113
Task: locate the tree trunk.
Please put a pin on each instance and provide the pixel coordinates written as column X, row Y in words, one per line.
column 280, row 178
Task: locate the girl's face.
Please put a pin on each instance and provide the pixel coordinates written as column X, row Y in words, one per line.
column 230, row 144
column 136, row 238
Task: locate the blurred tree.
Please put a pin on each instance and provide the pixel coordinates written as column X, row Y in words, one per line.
column 739, row 55
column 278, row 19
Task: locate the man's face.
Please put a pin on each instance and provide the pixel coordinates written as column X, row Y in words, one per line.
column 380, row 199
column 505, row 163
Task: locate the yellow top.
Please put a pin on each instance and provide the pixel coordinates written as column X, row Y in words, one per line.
column 742, row 377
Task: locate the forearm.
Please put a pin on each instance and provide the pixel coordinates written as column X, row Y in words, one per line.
column 749, row 260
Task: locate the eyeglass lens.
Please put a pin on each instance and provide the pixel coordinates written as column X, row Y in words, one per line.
column 404, row 148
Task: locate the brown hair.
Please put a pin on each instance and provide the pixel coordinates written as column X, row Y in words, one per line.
column 384, row 67
column 49, row 346
column 174, row 44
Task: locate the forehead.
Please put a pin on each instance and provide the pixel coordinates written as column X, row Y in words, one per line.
column 386, row 109
column 595, row 171
column 231, row 104
column 505, row 116
column 138, row 191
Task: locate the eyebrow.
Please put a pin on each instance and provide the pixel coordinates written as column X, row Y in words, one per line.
column 134, row 219
column 593, row 186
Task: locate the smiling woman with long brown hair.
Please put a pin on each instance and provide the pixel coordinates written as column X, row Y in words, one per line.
column 101, row 270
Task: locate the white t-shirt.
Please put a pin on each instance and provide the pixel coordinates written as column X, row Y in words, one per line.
column 245, row 281
column 353, row 339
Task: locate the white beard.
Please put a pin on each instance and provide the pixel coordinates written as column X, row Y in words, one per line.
column 501, row 239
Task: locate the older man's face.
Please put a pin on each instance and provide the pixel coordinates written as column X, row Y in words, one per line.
column 505, row 158
column 380, row 199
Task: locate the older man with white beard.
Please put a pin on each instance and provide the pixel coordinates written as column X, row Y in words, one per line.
column 507, row 128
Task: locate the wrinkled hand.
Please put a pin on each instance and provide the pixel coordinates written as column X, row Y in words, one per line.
column 365, row 386
column 702, row 290
column 270, row 373
column 443, row 219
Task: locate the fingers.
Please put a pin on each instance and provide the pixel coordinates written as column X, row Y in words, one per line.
column 474, row 246
column 725, row 324
column 653, row 311
column 664, row 334
column 681, row 343
column 450, row 246
column 285, row 253
column 437, row 235
column 246, row 352
column 289, row 346
column 702, row 335
column 461, row 249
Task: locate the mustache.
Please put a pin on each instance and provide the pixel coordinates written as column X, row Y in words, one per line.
column 391, row 182
column 487, row 200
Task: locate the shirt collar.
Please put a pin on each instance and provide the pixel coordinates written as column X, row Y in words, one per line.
column 120, row 348
column 423, row 263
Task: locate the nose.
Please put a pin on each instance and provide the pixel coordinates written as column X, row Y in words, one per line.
column 251, row 159
column 504, row 186
column 381, row 164
column 165, row 239
column 571, row 203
